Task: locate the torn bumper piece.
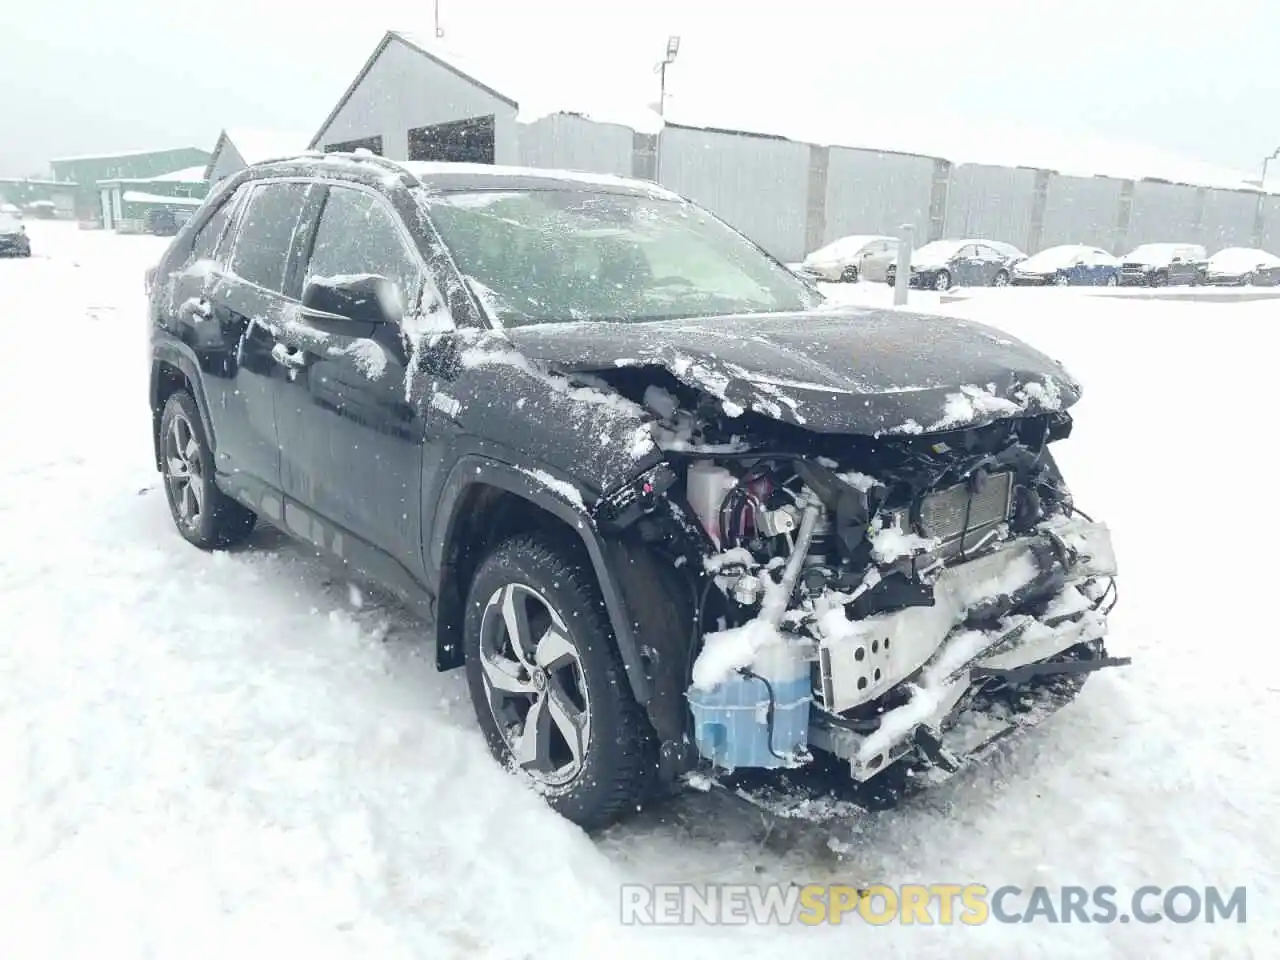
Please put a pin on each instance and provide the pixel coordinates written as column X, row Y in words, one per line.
column 979, row 637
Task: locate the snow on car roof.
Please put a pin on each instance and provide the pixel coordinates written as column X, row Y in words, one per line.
column 431, row 169
column 1243, row 258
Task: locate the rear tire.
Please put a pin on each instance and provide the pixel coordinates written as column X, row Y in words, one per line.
column 1001, row 279
column 536, row 638
column 203, row 514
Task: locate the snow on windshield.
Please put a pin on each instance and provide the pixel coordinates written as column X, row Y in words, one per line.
column 937, row 251
column 841, row 249
column 566, row 255
column 1055, row 258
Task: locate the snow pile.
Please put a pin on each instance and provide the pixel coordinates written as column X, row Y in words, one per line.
column 199, row 762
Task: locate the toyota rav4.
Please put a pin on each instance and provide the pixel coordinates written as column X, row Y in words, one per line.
column 670, row 511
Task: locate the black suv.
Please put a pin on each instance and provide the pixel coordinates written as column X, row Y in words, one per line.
column 667, row 508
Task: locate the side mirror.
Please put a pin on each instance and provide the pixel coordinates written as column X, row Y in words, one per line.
column 360, row 298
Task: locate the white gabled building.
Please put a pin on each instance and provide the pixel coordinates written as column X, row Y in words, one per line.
column 238, row 147
column 413, row 100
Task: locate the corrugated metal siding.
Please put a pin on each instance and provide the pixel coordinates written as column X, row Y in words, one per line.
column 870, row 192
column 1228, row 219
column 1080, row 210
column 1271, row 224
column 1162, row 213
column 758, row 185
column 990, row 202
column 566, row 142
column 404, row 90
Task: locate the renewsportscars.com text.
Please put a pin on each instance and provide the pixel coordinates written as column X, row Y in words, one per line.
column 926, row 904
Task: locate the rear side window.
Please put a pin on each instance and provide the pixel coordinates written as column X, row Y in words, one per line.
column 359, row 234
column 205, row 245
column 266, row 233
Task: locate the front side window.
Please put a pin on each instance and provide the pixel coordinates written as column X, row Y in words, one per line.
column 267, row 231
column 540, row 256
column 359, row 234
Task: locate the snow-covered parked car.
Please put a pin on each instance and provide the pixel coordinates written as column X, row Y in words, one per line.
column 852, row 258
column 1242, row 266
column 1162, row 264
column 14, row 241
column 667, row 510
column 942, row 264
column 1071, row 264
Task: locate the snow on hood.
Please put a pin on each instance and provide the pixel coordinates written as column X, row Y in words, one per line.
column 865, row 372
column 1241, row 260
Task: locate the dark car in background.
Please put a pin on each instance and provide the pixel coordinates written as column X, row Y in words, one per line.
column 1242, row 266
column 942, row 264
column 14, row 241
column 1162, row 264
column 1071, row 264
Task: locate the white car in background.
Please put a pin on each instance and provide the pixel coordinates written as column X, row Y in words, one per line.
column 1243, row 266
column 853, row 258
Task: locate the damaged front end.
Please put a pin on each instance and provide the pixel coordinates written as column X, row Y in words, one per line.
column 893, row 602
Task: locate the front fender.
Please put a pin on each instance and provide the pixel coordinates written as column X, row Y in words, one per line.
column 558, row 498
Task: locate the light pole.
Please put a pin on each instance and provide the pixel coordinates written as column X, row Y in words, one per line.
column 439, row 31
column 1266, row 160
column 673, row 47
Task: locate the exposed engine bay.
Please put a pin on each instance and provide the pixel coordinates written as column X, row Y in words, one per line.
column 877, row 599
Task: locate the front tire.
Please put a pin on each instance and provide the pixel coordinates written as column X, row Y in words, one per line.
column 1001, row 279
column 849, row 275
column 942, row 281
column 203, row 514
column 548, row 686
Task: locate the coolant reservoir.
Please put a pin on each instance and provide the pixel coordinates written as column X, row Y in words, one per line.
column 708, row 485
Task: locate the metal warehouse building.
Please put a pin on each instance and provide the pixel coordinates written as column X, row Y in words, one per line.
column 412, row 102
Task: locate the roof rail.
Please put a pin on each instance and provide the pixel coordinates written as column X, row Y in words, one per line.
column 364, row 156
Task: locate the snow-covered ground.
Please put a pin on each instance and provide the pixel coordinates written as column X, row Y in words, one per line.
column 237, row 754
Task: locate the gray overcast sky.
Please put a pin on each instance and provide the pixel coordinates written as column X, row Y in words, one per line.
column 83, row 76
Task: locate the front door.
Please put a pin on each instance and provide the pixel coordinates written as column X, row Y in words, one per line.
column 352, row 446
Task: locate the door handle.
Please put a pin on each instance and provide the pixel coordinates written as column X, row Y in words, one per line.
column 293, row 359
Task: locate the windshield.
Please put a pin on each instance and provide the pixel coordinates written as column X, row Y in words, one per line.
column 540, row 256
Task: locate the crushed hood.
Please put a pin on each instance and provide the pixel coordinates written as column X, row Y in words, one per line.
column 868, row 372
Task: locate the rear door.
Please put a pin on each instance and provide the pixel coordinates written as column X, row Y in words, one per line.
column 238, row 402
column 988, row 262
column 876, row 262
column 248, row 299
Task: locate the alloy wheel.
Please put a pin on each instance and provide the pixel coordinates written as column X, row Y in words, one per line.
column 534, row 684
column 183, row 471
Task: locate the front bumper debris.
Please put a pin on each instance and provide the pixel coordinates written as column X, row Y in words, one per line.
column 947, row 653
